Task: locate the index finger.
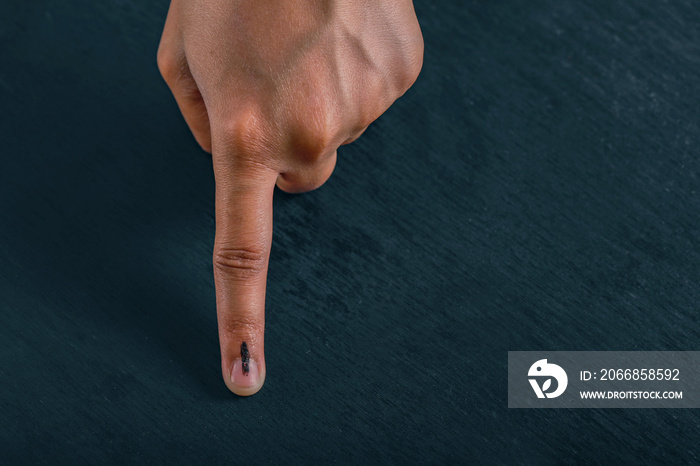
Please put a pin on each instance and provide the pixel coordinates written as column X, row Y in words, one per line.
column 241, row 255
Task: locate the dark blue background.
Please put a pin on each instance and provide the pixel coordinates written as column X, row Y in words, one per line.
column 536, row 189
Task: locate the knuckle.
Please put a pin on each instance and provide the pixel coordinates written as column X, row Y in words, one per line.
column 244, row 328
column 317, row 138
column 167, row 63
column 367, row 116
column 416, row 63
column 248, row 131
column 412, row 64
column 240, row 263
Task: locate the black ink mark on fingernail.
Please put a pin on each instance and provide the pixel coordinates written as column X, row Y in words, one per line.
column 245, row 357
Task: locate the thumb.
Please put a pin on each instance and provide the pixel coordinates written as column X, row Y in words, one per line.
column 241, row 256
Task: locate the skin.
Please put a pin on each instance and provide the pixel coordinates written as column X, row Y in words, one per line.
column 272, row 88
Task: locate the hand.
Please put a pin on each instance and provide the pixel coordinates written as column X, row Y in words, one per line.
column 272, row 88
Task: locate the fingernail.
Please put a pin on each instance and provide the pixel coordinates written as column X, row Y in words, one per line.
column 244, row 373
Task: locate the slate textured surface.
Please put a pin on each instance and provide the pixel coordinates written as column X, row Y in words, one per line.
column 537, row 189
